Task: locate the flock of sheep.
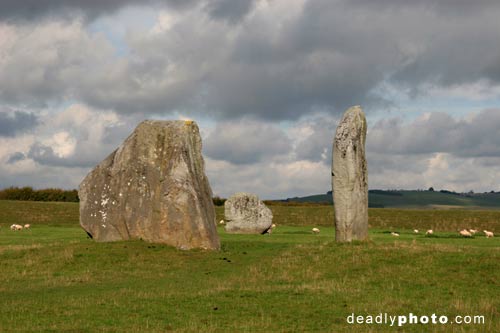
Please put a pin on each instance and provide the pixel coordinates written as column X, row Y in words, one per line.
column 463, row 233
column 17, row 227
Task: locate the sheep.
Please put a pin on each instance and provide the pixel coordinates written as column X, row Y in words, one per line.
column 465, row 233
column 273, row 226
column 221, row 222
column 429, row 232
column 315, row 230
column 16, row 227
column 27, row 226
column 473, row 231
column 488, row 234
column 415, row 231
column 395, row 234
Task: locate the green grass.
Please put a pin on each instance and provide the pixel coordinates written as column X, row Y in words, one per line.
column 438, row 220
column 53, row 278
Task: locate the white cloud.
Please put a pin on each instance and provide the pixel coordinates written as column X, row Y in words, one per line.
column 269, row 180
column 62, row 144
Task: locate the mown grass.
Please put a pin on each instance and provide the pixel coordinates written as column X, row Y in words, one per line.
column 53, row 278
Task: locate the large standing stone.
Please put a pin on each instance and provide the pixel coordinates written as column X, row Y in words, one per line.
column 350, row 177
column 153, row 187
column 246, row 214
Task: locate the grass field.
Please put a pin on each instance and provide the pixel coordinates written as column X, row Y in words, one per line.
column 53, row 278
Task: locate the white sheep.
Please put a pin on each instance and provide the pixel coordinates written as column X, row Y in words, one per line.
column 27, row 226
column 473, row 231
column 429, row 232
column 465, row 233
column 415, row 231
column 16, row 227
column 488, row 234
column 221, row 222
column 395, row 234
column 273, row 226
column 315, row 230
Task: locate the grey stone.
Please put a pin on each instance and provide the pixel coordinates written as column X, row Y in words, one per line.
column 246, row 214
column 350, row 177
column 153, row 187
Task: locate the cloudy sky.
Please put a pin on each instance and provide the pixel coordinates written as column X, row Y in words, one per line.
column 266, row 80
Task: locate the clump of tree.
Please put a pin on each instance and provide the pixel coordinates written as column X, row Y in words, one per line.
column 29, row 194
column 291, row 203
column 218, row 201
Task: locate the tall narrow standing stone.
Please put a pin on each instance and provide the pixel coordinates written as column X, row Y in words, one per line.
column 350, row 177
column 153, row 187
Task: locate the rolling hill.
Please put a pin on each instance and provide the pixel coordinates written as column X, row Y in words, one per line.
column 417, row 199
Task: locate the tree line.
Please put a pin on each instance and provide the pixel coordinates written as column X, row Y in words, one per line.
column 29, row 194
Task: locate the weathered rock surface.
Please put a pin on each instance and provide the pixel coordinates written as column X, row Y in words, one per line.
column 246, row 214
column 153, row 187
column 350, row 177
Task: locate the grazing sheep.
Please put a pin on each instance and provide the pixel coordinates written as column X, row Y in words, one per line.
column 395, row 234
column 415, row 231
column 273, row 226
column 315, row 230
column 429, row 232
column 488, row 234
column 27, row 226
column 465, row 233
column 473, row 231
column 16, row 227
column 221, row 222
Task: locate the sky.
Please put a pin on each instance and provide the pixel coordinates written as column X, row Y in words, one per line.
column 267, row 81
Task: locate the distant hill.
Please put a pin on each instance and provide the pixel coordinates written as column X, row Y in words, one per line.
column 417, row 199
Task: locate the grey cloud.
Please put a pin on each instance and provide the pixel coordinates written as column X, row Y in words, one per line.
column 246, row 142
column 45, row 155
column 326, row 58
column 15, row 122
column 452, row 7
column 12, row 10
column 477, row 137
column 230, row 10
column 43, row 177
column 275, row 66
column 16, row 157
column 318, row 145
column 79, row 137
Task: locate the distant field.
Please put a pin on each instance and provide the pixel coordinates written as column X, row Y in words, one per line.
column 53, row 278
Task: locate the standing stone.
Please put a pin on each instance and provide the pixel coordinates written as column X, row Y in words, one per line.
column 246, row 214
column 153, row 187
column 350, row 177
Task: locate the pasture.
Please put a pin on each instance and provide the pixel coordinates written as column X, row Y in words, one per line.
column 53, row 278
